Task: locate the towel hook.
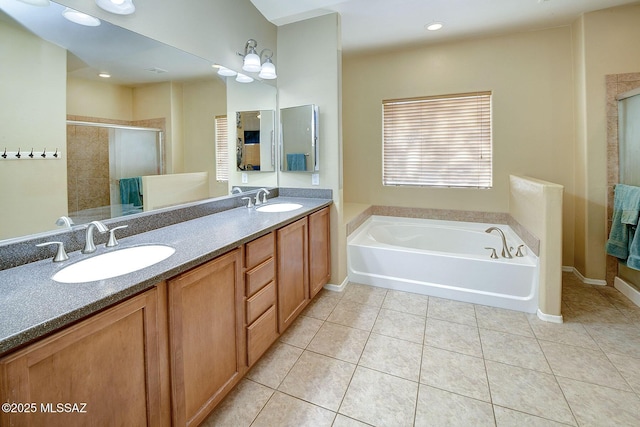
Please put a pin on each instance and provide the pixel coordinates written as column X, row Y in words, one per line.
column 55, row 154
column 18, row 155
column 44, row 153
column 4, row 155
column 31, row 154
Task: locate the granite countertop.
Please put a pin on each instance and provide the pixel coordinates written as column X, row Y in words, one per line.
column 33, row 305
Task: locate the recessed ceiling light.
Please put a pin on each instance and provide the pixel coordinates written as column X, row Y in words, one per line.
column 104, row 75
column 434, row 26
column 80, row 18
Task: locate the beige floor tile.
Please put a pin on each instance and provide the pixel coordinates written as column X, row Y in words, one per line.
column 509, row 418
column 453, row 336
column 452, row 311
column 516, row 350
column 595, row 405
column 616, row 338
column 583, row 364
column 380, row 399
column 322, row 305
column 241, row 406
column 353, row 314
column 342, row 421
column 275, row 364
column 341, row 342
column 595, row 312
column 441, row 408
column 286, row 411
column 363, row 294
column 570, row 333
column 406, row 302
column 318, row 379
column 301, row 332
column 629, row 368
column 499, row 319
column 405, row 326
column 455, row 372
column 392, row 356
column 528, row 391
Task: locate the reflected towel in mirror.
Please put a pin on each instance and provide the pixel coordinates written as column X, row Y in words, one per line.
column 296, row 162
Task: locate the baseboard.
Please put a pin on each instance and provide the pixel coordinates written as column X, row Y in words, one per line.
column 586, row 280
column 337, row 288
column 627, row 290
column 549, row 317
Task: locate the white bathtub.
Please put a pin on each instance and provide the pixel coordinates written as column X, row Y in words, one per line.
column 445, row 259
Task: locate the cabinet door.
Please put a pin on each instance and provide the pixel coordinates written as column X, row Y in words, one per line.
column 292, row 271
column 109, row 366
column 319, row 251
column 206, row 335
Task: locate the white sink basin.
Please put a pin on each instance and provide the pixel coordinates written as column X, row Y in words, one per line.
column 112, row 264
column 279, row 207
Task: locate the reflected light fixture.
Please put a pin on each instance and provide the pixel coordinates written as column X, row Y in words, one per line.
column 241, row 78
column 80, row 18
column 224, row 71
column 119, row 7
column 104, row 75
column 253, row 61
column 434, row 26
column 36, row 2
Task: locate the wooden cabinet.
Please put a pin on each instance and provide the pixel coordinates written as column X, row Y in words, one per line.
column 319, row 251
column 260, row 295
column 107, row 369
column 293, row 271
column 206, row 335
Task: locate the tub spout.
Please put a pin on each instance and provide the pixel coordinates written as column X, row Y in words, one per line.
column 506, row 253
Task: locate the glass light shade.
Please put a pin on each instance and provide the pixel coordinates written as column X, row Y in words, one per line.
column 223, row 71
column 268, row 70
column 241, row 78
column 251, row 62
column 80, row 18
column 36, row 2
column 119, row 7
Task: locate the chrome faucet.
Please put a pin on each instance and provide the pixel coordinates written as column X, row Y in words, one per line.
column 506, row 253
column 236, row 190
column 64, row 221
column 265, row 192
column 89, row 246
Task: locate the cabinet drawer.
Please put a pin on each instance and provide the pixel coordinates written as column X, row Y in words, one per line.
column 259, row 276
column 260, row 302
column 261, row 334
column 259, row 250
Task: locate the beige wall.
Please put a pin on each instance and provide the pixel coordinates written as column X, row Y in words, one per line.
column 317, row 80
column 28, row 185
column 202, row 102
column 606, row 42
column 530, row 75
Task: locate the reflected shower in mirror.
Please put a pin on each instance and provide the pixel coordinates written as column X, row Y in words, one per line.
column 299, row 127
column 255, row 145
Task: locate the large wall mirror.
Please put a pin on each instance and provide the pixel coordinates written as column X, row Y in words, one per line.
column 299, row 127
column 51, row 76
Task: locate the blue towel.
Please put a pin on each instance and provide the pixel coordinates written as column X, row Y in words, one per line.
column 296, row 162
column 622, row 242
column 130, row 191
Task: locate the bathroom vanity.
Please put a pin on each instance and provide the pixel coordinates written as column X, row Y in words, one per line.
column 169, row 353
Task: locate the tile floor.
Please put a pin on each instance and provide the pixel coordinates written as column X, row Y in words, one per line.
column 372, row 356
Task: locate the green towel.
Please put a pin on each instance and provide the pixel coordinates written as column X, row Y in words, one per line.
column 130, row 191
column 622, row 241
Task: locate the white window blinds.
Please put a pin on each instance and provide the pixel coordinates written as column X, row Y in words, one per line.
column 439, row 141
column 222, row 149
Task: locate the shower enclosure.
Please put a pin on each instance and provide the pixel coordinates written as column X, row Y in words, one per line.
column 105, row 158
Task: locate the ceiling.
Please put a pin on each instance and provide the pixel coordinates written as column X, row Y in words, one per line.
column 383, row 24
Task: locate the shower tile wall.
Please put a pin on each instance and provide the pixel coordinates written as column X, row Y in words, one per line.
column 616, row 84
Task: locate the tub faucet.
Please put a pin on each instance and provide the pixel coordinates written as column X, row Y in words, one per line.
column 506, row 253
column 89, row 246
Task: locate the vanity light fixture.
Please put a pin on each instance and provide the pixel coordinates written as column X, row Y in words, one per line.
column 434, row 26
column 80, row 18
column 224, row 71
column 253, row 61
column 241, row 78
column 36, row 2
column 119, row 7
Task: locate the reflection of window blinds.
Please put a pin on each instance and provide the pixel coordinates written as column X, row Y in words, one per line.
column 440, row 141
column 629, row 139
column 222, row 149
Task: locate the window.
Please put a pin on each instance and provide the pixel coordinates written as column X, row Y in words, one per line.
column 222, row 149
column 438, row 141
